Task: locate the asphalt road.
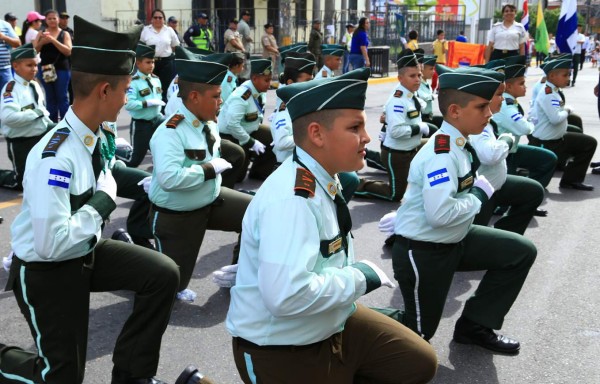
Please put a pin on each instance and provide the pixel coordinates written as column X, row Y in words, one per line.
column 556, row 317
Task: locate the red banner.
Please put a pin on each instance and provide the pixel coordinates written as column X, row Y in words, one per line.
column 464, row 54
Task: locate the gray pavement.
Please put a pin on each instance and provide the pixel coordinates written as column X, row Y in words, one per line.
column 556, row 317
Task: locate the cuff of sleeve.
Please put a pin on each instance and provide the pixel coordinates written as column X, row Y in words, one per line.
column 480, row 194
column 144, row 104
column 373, row 281
column 102, row 203
column 248, row 144
column 508, row 141
column 415, row 129
column 209, row 171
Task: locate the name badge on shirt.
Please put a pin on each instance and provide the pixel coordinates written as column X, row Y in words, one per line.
column 158, row 90
column 465, row 182
column 195, row 154
column 27, row 107
column 413, row 114
column 251, row 116
column 331, row 247
column 145, row 92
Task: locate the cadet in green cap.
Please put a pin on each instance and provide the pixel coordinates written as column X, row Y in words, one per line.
column 185, row 191
column 69, row 193
column 144, row 102
column 240, row 121
column 551, row 128
column 293, row 313
column 434, row 232
column 425, row 93
column 521, row 194
column 404, row 132
column 540, row 162
column 236, row 66
column 23, row 115
column 332, row 60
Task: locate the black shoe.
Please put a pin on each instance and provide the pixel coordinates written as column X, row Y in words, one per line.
column 122, row 235
column 468, row 332
column 122, row 377
column 540, row 212
column 595, row 164
column 577, row 186
column 389, row 242
column 596, row 171
column 191, row 375
column 143, row 242
column 1, row 219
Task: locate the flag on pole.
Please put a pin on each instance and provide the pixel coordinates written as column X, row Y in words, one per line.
column 525, row 17
column 542, row 43
column 566, row 33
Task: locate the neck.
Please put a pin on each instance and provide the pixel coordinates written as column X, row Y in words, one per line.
column 87, row 114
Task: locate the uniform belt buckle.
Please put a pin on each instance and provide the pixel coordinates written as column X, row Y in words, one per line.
column 505, row 51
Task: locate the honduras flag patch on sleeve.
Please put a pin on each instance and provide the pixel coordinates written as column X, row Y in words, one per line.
column 58, row 178
column 438, row 177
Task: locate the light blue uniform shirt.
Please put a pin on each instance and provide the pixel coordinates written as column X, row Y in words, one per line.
column 17, row 110
column 437, row 205
column 240, row 117
column 286, row 291
column 551, row 116
column 283, row 135
column 425, row 93
column 510, row 120
column 228, row 85
column 403, row 132
column 139, row 91
column 324, row 72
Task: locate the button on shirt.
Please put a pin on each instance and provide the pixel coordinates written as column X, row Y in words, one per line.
column 510, row 120
column 139, row 92
column 179, row 181
column 401, row 132
column 17, row 114
column 492, row 153
column 436, row 207
column 56, row 223
column 164, row 39
column 508, row 38
column 239, row 117
column 550, row 114
column 287, row 292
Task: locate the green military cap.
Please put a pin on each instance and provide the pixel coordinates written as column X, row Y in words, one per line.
column 407, row 58
column 515, row 66
column 25, row 51
column 103, row 52
column 333, row 50
column 347, row 91
column 302, row 62
column 562, row 62
column 261, row 67
column 195, row 70
column 145, row 51
column 296, row 47
column 222, row 58
column 496, row 65
column 429, row 60
column 480, row 82
column 420, row 54
column 186, row 53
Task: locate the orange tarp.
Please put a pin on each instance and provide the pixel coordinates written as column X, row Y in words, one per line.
column 464, row 54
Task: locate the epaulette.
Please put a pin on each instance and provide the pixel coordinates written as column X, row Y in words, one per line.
column 174, row 121
column 442, row 143
column 9, row 87
column 56, row 140
column 247, row 95
column 543, row 80
column 282, row 107
column 548, row 90
column 135, row 77
column 229, row 78
column 398, row 93
column 305, row 183
column 324, row 73
column 510, row 101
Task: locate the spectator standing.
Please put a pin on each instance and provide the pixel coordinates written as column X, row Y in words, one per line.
column 440, row 48
column 63, row 23
column 552, row 44
column 359, row 56
column 31, row 27
column 461, row 37
column 244, row 30
column 174, row 23
column 584, row 50
column 8, row 40
column 270, row 48
column 11, row 19
column 165, row 40
column 507, row 37
column 315, row 41
column 347, row 43
column 413, row 42
column 233, row 39
column 577, row 54
column 54, row 46
column 199, row 35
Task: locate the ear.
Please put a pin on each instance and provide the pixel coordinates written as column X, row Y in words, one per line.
column 315, row 134
column 103, row 89
column 454, row 111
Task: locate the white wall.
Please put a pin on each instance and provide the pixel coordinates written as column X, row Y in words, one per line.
column 19, row 7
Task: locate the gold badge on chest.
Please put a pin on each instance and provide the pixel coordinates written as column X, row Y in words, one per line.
column 332, row 188
column 88, row 140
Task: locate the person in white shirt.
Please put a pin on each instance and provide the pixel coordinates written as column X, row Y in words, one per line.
column 577, row 61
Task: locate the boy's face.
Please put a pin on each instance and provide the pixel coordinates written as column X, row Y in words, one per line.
column 441, row 36
column 237, row 69
column 262, row 83
column 428, row 71
column 145, row 65
column 26, row 68
column 473, row 118
column 410, row 78
column 207, row 103
column 116, row 98
column 333, row 62
column 516, row 87
column 560, row 77
column 496, row 102
column 345, row 142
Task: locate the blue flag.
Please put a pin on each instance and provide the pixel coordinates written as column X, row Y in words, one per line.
column 566, row 33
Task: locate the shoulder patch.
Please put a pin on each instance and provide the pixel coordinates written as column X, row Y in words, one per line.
column 174, row 121
column 247, row 95
column 398, row 93
column 229, row 78
column 324, row 73
column 56, row 141
column 548, row 90
column 10, row 86
column 305, row 183
column 442, row 143
column 282, row 107
column 135, row 77
column 510, row 101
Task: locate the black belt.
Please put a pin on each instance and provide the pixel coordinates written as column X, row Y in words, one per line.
column 398, row 150
column 505, row 51
column 424, row 245
column 164, row 58
column 172, row 212
column 248, row 344
column 428, row 116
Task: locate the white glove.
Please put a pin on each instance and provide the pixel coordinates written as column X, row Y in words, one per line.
column 122, row 143
column 258, row 147
column 424, row 128
column 385, row 280
column 220, row 165
column 387, row 223
column 107, row 184
column 382, row 135
column 7, row 261
column 484, row 184
column 225, row 277
column 145, row 183
column 155, row 103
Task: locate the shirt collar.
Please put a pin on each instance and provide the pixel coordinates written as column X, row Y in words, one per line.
column 20, row 80
column 456, row 138
column 142, row 75
column 248, row 84
column 405, row 92
column 329, row 184
column 191, row 118
column 229, row 73
column 87, row 137
column 509, row 96
column 554, row 87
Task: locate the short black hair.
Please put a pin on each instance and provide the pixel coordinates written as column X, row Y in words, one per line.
column 84, row 82
column 413, row 35
column 324, row 117
column 186, row 87
column 439, row 32
column 447, row 97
